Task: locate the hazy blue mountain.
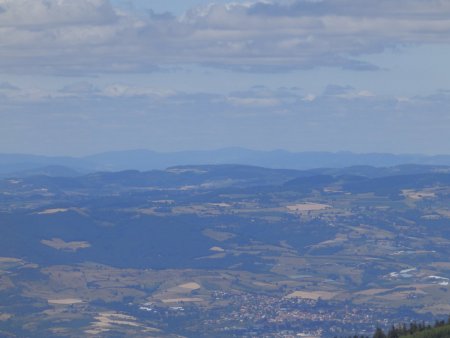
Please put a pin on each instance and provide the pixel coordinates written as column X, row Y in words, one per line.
column 50, row 170
column 145, row 160
column 22, row 165
column 25, row 165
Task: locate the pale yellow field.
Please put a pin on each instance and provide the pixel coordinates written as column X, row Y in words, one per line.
column 315, row 295
column 395, row 295
column 445, row 213
column 340, row 238
column 10, row 260
column 184, row 300
column 5, row 317
column 418, row 195
column 436, row 309
column 147, row 211
column 442, row 265
column 371, row 292
column 66, row 301
column 59, row 244
column 52, row 211
column 164, row 201
column 308, row 207
column 222, row 205
column 264, row 284
column 218, row 235
column 107, row 321
column 190, row 286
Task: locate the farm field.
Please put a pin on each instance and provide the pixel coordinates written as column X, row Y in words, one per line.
column 139, row 254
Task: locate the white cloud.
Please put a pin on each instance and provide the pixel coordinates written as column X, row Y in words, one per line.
column 11, row 93
column 47, row 13
column 79, row 88
column 120, row 90
column 83, row 91
column 6, row 86
column 254, row 101
column 335, row 119
column 92, row 36
column 350, row 94
column 309, row 98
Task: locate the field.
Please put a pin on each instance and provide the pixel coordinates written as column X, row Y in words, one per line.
column 317, row 257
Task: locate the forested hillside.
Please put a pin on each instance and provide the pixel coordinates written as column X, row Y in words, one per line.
column 440, row 329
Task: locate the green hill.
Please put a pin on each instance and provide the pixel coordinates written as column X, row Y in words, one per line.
column 441, row 329
column 437, row 332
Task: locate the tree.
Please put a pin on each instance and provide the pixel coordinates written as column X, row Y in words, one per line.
column 393, row 333
column 379, row 333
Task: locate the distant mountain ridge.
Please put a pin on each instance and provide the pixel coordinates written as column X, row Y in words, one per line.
column 143, row 160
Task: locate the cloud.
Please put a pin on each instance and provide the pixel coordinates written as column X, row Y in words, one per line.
column 7, row 86
column 336, row 90
column 85, row 91
column 93, row 36
column 10, row 93
column 362, row 8
column 40, row 14
column 346, row 92
column 84, row 116
column 124, row 115
column 260, row 99
column 121, row 90
column 253, row 101
column 79, row 88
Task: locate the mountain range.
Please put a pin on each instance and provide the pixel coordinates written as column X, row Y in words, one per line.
column 23, row 165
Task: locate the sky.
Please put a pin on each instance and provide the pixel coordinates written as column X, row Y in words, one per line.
column 89, row 76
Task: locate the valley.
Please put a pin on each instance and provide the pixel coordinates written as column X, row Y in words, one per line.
column 201, row 251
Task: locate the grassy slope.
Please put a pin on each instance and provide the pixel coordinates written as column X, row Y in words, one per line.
column 439, row 332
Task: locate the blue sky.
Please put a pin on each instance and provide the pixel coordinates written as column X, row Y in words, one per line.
column 87, row 76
